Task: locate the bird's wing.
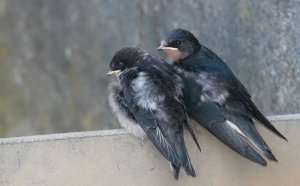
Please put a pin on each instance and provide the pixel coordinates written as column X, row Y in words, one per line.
column 160, row 115
column 148, row 119
column 234, row 103
column 177, row 118
column 240, row 119
column 189, row 124
column 224, row 82
column 263, row 120
column 238, row 89
column 149, row 123
column 211, row 115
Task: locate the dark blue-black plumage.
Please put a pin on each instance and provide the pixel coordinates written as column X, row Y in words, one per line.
column 215, row 98
column 147, row 100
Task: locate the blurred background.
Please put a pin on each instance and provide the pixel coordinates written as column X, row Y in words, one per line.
column 54, row 54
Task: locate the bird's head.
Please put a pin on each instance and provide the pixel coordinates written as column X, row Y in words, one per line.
column 125, row 58
column 179, row 44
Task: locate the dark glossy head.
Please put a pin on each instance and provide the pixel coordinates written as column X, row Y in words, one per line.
column 124, row 58
column 178, row 44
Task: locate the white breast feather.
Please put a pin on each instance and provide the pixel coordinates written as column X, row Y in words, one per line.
column 210, row 89
column 130, row 125
column 143, row 88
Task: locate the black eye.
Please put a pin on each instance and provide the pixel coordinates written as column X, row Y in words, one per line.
column 177, row 43
column 120, row 64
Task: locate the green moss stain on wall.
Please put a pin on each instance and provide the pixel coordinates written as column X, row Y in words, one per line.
column 244, row 9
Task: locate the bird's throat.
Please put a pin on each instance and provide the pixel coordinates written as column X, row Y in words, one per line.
column 174, row 55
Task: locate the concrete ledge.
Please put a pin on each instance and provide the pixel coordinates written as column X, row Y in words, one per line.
column 114, row 157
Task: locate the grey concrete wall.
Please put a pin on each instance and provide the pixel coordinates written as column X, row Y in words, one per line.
column 53, row 54
column 114, row 158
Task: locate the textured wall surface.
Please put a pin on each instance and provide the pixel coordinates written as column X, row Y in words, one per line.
column 114, row 158
column 54, row 54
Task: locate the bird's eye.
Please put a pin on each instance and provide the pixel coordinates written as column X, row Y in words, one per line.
column 120, row 65
column 177, row 43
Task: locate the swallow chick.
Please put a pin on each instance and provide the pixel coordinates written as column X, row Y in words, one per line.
column 215, row 98
column 147, row 101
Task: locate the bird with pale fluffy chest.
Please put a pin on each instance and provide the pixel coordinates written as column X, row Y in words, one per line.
column 147, row 101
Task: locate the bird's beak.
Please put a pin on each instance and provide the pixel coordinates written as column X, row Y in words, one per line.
column 114, row 72
column 163, row 46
